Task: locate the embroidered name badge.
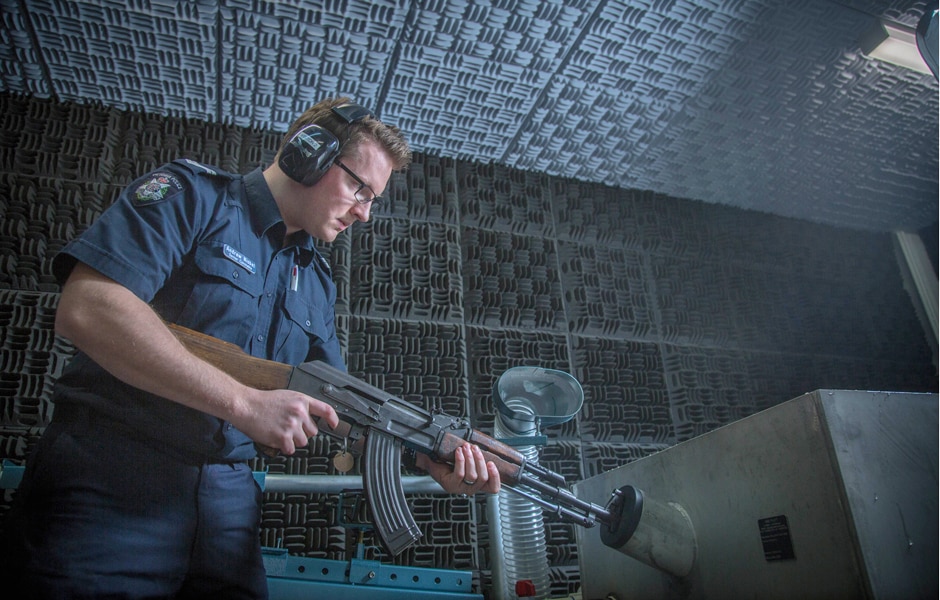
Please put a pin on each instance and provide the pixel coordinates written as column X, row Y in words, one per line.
column 159, row 187
column 238, row 258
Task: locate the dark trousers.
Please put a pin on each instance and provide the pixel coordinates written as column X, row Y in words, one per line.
column 100, row 514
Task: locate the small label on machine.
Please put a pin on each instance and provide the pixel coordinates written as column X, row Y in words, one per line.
column 775, row 537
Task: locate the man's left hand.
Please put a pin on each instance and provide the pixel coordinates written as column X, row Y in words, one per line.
column 470, row 474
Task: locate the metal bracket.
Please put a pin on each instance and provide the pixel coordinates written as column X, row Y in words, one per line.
column 11, row 474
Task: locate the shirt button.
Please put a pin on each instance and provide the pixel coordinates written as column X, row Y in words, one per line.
column 308, row 323
column 260, row 338
column 234, row 274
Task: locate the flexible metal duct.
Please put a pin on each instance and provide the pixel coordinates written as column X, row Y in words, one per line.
column 526, row 399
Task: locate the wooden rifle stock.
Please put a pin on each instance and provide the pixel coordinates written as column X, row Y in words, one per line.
column 254, row 372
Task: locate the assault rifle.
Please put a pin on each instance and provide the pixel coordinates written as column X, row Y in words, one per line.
column 382, row 424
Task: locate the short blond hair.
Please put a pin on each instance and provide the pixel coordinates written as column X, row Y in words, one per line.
column 351, row 135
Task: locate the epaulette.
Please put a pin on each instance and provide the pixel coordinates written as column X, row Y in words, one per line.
column 324, row 264
column 198, row 168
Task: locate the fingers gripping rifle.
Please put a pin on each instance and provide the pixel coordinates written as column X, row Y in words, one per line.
column 383, row 424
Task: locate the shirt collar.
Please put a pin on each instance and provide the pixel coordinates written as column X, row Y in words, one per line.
column 260, row 202
column 264, row 211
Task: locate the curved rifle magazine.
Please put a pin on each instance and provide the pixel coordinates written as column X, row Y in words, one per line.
column 396, row 527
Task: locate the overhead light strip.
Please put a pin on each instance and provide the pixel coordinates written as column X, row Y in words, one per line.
column 895, row 44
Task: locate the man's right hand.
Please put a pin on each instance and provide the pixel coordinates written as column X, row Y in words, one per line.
column 282, row 419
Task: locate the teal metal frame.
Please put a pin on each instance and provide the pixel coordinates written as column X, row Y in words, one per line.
column 11, row 474
column 294, row 577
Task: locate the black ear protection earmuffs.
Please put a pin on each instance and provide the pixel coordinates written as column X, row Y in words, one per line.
column 311, row 152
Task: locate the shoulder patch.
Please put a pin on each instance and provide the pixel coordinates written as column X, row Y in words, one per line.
column 159, row 187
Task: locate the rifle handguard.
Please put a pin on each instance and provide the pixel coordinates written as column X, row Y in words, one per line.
column 509, row 462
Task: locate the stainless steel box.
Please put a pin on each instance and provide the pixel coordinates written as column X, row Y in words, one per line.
column 829, row 495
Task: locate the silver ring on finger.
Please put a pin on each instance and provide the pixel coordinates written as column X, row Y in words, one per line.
column 465, row 482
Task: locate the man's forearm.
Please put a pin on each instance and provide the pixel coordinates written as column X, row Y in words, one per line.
column 126, row 337
column 129, row 340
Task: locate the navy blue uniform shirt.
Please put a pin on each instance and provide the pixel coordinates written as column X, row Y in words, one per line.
column 207, row 250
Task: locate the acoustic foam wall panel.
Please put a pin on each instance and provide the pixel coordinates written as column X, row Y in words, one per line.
column 507, row 200
column 606, row 291
column 625, row 392
column 406, row 270
column 511, row 281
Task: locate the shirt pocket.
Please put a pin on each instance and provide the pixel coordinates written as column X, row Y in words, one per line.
column 307, row 327
column 225, row 294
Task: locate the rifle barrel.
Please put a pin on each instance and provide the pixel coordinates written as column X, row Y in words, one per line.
column 561, row 501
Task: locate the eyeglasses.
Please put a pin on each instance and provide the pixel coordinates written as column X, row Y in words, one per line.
column 361, row 198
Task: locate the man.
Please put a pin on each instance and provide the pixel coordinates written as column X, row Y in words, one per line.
column 140, row 486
